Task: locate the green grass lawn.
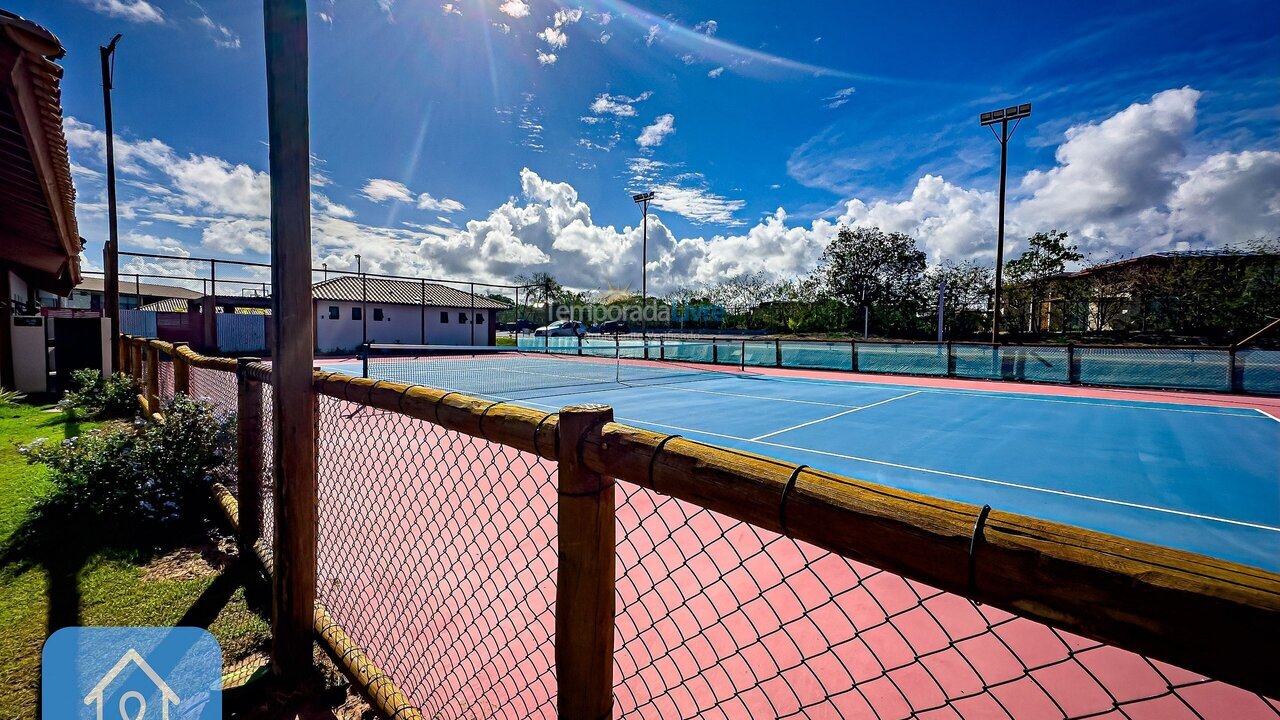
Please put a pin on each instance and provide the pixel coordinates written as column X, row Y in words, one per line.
column 192, row 586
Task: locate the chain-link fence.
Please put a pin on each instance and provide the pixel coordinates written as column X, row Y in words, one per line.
column 437, row 554
column 741, row 586
column 1216, row 369
column 717, row 618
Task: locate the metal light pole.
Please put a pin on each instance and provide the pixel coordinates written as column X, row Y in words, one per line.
column 642, row 200
column 1002, row 117
column 111, row 291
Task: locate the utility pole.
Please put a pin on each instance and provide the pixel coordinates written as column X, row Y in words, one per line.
column 987, row 119
column 643, row 200
column 111, row 291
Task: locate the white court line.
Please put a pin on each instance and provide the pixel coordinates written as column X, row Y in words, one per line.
column 999, row 395
column 961, row 476
column 831, row 417
column 1264, row 412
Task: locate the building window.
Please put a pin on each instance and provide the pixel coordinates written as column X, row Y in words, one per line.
column 444, row 318
column 333, row 312
column 356, row 314
column 462, row 318
column 479, row 318
column 377, row 314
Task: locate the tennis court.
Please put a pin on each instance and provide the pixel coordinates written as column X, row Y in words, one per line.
column 1193, row 472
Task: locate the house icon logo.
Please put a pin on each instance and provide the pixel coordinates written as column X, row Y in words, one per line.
column 131, row 673
column 96, row 696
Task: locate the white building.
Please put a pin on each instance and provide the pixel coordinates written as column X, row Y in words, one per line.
column 353, row 309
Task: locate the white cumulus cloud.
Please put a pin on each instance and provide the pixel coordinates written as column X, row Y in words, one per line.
column 655, row 134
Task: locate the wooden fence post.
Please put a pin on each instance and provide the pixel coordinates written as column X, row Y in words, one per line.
column 249, row 452
column 293, row 317
column 135, row 358
column 585, row 577
column 153, row 377
column 181, row 371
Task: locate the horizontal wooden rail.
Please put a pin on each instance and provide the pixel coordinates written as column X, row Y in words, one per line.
column 377, row 687
column 1206, row 615
column 511, row 425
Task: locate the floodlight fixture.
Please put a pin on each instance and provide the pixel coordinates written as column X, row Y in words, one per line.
column 642, row 197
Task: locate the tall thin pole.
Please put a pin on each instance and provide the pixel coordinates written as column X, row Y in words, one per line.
column 293, row 343
column 1014, row 114
column 1004, row 160
column 942, row 298
column 644, row 269
column 111, row 291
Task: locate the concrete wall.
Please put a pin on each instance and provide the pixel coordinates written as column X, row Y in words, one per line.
column 399, row 324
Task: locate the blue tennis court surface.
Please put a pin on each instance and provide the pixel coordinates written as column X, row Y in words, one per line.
column 1200, row 478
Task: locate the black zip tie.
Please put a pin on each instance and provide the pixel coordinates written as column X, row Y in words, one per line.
column 654, row 459
column 400, row 400
column 485, row 414
column 786, row 490
column 973, row 548
column 538, row 431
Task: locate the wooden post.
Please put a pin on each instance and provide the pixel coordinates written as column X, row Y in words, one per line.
column 293, row 343
column 248, row 457
column 585, row 577
column 153, row 377
column 135, row 359
column 181, row 371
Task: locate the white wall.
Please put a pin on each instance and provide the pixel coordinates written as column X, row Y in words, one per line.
column 400, row 324
column 17, row 288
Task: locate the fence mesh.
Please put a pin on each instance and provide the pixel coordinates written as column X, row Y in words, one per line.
column 437, row 555
column 717, row 618
column 166, row 378
column 1258, row 370
column 1255, row 370
column 1192, row 369
column 214, row 386
column 267, row 486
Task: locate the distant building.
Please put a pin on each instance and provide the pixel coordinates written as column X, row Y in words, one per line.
column 353, row 309
column 1151, row 293
column 89, row 293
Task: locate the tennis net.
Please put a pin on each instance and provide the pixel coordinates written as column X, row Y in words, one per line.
column 516, row 371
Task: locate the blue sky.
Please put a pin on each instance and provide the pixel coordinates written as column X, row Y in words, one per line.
column 481, row 139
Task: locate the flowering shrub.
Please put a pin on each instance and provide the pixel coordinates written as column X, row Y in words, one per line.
column 147, row 483
column 93, row 396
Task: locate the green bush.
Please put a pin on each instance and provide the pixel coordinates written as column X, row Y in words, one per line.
column 92, row 396
column 145, row 484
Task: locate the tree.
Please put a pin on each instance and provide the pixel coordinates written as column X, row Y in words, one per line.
column 1027, row 279
column 968, row 295
column 887, row 269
